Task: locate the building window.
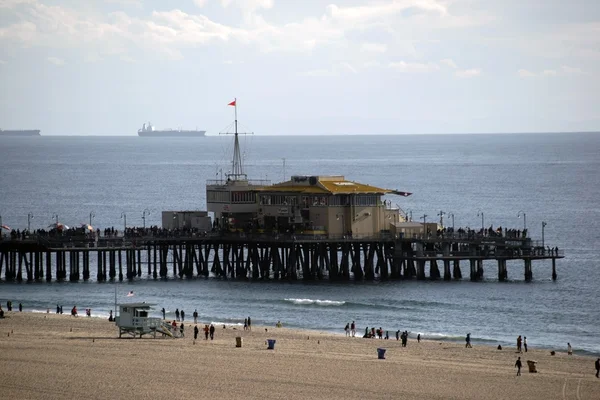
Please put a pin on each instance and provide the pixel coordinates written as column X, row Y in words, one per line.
column 214, row 196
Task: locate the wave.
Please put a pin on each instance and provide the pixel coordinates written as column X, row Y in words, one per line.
column 306, row 302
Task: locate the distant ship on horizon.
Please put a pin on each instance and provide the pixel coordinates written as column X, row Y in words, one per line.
column 150, row 130
column 20, row 132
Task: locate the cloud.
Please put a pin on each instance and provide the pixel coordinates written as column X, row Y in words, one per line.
column 168, row 32
column 126, row 3
column 56, row 61
column 468, row 73
column 374, row 47
column 523, row 73
column 409, row 67
column 564, row 70
column 449, row 63
column 336, row 70
column 549, row 72
column 15, row 3
column 571, row 70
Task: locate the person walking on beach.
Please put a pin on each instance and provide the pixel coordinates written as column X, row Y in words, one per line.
column 182, row 313
column 177, row 314
column 245, row 324
column 206, row 332
column 419, row 338
column 212, row 331
column 181, row 330
column 353, row 328
column 347, row 329
column 20, row 307
column 597, row 368
column 519, row 340
column 196, row 330
column 57, row 309
column 518, row 365
column 468, row 340
column 195, row 316
column 249, row 324
column 569, row 349
column 525, row 343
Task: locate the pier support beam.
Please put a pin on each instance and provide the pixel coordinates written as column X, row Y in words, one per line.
column 528, row 271
column 456, row 270
column 554, row 276
column 502, row 273
column 447, row 275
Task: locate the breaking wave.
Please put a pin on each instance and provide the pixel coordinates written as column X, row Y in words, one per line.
column 309, row 302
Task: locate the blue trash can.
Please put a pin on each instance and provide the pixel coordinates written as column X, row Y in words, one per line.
column 381, row 354
column 271, row 344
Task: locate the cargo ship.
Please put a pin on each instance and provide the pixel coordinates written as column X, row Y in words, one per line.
column 20, row 132
column 149, row 130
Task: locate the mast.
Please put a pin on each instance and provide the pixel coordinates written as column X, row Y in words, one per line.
column 237, row 169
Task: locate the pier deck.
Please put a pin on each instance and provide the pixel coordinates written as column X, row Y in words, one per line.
column 262, row 256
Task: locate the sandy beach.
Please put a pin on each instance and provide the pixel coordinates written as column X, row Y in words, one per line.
column 49, row 356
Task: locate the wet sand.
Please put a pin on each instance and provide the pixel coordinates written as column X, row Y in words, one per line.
column 49, row 356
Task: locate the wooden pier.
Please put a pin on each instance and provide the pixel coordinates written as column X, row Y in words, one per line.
column 264, row 257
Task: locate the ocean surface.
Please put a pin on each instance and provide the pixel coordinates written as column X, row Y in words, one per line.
column 550, row 177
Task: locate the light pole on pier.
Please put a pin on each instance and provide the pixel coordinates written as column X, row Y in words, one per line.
column 441, row 215
column 124, row 217
column 144, row 213
column 424, row 218
column 92, row 215
column 524, row 219
column 543, row 226
column 451, row 215
column 29, row 218
column 482, row 220
column 55, row 216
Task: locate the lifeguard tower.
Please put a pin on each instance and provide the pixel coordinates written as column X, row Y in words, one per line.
column 133, row 319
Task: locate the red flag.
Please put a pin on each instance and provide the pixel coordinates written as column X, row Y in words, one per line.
column 232, row 103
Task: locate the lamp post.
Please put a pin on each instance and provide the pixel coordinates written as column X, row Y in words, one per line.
column 424, row 218
column 29, row 218
column 452, row 215
column 441, row 215
column 524, row 219
column 482, row 221
column 341, row 216
column 543, row 226
column 124, row 217
column 55, row 216
column 92, row 215
column 144, row 213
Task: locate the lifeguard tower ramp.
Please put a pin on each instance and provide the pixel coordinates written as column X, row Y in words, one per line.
column 133, row 320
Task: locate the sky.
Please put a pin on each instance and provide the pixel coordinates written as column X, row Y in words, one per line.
column 300, row 67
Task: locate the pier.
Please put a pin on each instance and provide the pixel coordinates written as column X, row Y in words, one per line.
column 266, row 257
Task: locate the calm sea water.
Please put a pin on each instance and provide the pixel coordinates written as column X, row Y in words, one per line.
column 551, row 177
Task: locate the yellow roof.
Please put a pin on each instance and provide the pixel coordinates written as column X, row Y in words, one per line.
column 347, row 187
column 292, row 189
column 331, row 185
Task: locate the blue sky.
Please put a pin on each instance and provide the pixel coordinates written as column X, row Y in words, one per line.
column 104, row 67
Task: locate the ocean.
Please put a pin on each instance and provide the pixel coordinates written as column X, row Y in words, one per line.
column 550, row 177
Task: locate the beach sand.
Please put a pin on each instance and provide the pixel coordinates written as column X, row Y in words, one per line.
column 49, row 356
